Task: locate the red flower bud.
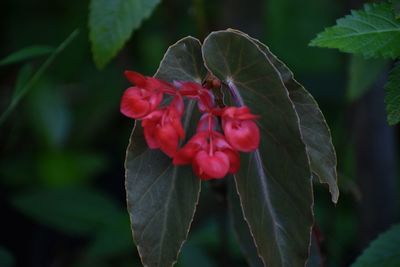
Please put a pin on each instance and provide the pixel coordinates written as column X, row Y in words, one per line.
column 240, row 129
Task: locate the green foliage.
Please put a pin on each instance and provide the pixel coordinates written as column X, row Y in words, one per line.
column 276, row 199
column 392, row 96
column 162, row 205
column 314, row 129
column 383, row 251
column 241, row 228
column 26, row 54
column 362, row 74
column 274, row 182
column 371, row 32
column 73, row 210
column 111, row 24
column 22, row 90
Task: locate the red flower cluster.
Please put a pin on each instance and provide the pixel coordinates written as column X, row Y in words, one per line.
column 212, row 153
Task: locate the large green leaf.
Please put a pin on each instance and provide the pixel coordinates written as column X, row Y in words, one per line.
column 383, row 251
column 243, row 234
column 392, row 96
column 372, row 32
column 162, row 198
column 111, row 23
column 315, row 132
column 274, row 182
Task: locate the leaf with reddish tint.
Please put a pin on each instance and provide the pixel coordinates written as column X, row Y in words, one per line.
column 274, row 182
column 162, row 198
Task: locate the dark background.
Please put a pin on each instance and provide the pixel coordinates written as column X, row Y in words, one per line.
column 62, row 150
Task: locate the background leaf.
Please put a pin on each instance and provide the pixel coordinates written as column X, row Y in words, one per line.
column 162, row 198
column 274, row 182
column 35, row 77
column 27, row 53
column 371, row 32
column 111, row 23
column 383, row 251
column 74, row 210
column 362, row 74
column 392, row 96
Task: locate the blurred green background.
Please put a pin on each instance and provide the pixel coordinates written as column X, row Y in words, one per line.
column 62, row 148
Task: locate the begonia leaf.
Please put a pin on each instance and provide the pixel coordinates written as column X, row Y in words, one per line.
column 162, row 198
column 274, row 182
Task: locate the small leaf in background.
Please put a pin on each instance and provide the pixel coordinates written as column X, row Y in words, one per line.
column 162, row 198
column 35, row 77
column 6, row 259
column 111, row 24
column 24, row 74
column 274, row 182
column 371, row 32
column 383, row 251
column 27, row 53
column 49, row 113
column 66, row 168
column 392, row 96
column 362, row 74
column 73, row 210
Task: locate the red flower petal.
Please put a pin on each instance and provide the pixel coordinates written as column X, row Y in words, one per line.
column 135, row 78
column 168, row 139
column 132, row 104
column 208, row 167
column 242, row 135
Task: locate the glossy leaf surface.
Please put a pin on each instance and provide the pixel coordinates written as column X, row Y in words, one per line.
column 274, row 182
column 162, row 198
column 111, row 23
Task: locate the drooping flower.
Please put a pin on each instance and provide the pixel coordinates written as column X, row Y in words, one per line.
column 210, row 155
column 143, row 98
column 240, row 129
column 163, row 128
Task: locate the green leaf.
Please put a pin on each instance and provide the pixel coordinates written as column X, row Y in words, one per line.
column 371, row 32
column 111, row 24
column 162, row 198
column 243, row 234
column 314, row 129
column 362, row 74
column 274, row 182
column 20, row 93
column 73, row 210
column 27, row 53
column 383, row 251
column 392, row 96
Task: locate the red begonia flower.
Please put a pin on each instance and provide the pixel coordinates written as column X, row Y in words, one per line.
column 210, row 166
column 206, row 151
column 240, row 129
column 143, row 98
column 163, row 129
